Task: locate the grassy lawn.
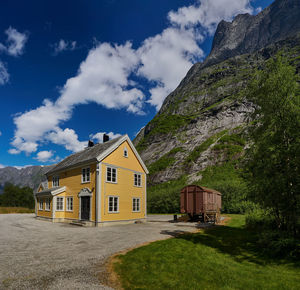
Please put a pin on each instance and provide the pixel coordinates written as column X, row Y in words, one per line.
column 223, row 257
column 15, row 210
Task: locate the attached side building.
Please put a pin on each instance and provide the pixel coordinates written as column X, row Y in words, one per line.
column 100, row 185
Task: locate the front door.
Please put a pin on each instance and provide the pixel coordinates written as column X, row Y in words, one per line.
column 85, row 208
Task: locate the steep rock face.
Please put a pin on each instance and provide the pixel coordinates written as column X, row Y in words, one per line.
column 248, row 33
column 209, row 106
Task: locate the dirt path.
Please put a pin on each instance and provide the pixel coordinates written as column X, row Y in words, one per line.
column 37, row 254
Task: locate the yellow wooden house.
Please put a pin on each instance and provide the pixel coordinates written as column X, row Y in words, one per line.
column 102, row 184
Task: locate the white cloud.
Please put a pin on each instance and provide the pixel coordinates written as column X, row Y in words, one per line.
column 208, row 13
column 44, row 156
column 68, row 138
column 4, row 75
column 2, row 166
column 64, row 45
column 0, row 133
column 15, row 41
column 14, row 151
column 99, row 136
column 105, row 76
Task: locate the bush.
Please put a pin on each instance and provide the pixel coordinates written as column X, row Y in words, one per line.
column 228, row 180
column 278, row 244
column 165, row 197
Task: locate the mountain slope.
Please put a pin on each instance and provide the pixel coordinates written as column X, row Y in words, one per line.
column 204, row 121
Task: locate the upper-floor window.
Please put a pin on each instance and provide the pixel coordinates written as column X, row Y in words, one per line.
column 59, row 203
column 125, row 152
column 137, row 179
column 47, row 204
column 86, row 175
column 111, row 174
column 55, row 181
column 41, row 204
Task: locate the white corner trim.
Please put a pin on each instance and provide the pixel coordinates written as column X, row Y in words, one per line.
column 116, row 145
column 58, row 191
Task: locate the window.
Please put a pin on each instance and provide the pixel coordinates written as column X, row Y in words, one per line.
column 59, row 203
column 41, row 204
column 70, row 203
column 125, row 152
column 137, row 179
column 111, row 174
column 86, row 175
column 135, row 204
column 55, row 181
column 113, row 204
column 47, row 204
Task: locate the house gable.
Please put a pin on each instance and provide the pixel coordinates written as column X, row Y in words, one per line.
column 115, row 156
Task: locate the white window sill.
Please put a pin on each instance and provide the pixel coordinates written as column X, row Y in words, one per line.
column 47, row 209
column 136, row 211
column 111, row 182
column 69, row 210
column 83, row 182
column 41, row 210
column 113, row 212
column 139, row 186
column 60, row 210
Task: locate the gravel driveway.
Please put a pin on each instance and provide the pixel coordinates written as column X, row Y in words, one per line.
column 37, row 254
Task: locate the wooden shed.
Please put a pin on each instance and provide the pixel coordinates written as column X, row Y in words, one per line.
column 200, row 202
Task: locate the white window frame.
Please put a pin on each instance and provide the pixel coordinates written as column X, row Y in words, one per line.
column 68, row 203
column 41, row 204
column 63, row 203
column 84, row 175
column 138, row 180
column 125, row 152
column 55, row 179
column 112, row 168
column 118, row 200
column 47, row 202
column 136, row 207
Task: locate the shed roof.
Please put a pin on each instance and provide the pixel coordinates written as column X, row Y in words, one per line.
column 202, row 188
column 84, row 156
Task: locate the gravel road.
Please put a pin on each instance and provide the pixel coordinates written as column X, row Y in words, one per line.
column 37, row 254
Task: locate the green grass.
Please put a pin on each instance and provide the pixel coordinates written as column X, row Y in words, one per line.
column 5, row 210
column 222, row 257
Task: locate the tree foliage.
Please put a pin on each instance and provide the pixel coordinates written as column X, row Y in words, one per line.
column 16, row 196
column 274, row 159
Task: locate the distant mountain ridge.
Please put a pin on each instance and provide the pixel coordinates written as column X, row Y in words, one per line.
column 30, row 176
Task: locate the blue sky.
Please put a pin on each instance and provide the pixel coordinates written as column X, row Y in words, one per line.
column 71, row 70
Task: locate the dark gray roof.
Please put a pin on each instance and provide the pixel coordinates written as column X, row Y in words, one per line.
column 84, row 156
column 48, row 191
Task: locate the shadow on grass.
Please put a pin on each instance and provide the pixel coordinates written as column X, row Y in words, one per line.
column 237, row 242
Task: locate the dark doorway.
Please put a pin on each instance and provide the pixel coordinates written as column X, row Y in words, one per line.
column 85, row 208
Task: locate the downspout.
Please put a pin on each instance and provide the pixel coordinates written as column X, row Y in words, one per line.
column 35, row 204
column 145, row 195
column 98, row 194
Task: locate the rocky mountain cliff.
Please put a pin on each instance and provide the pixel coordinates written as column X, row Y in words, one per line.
column 248, row 33
column 30, row 176
column 204, row 121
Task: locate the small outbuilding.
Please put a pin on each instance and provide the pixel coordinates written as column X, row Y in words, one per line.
column 201, row 202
